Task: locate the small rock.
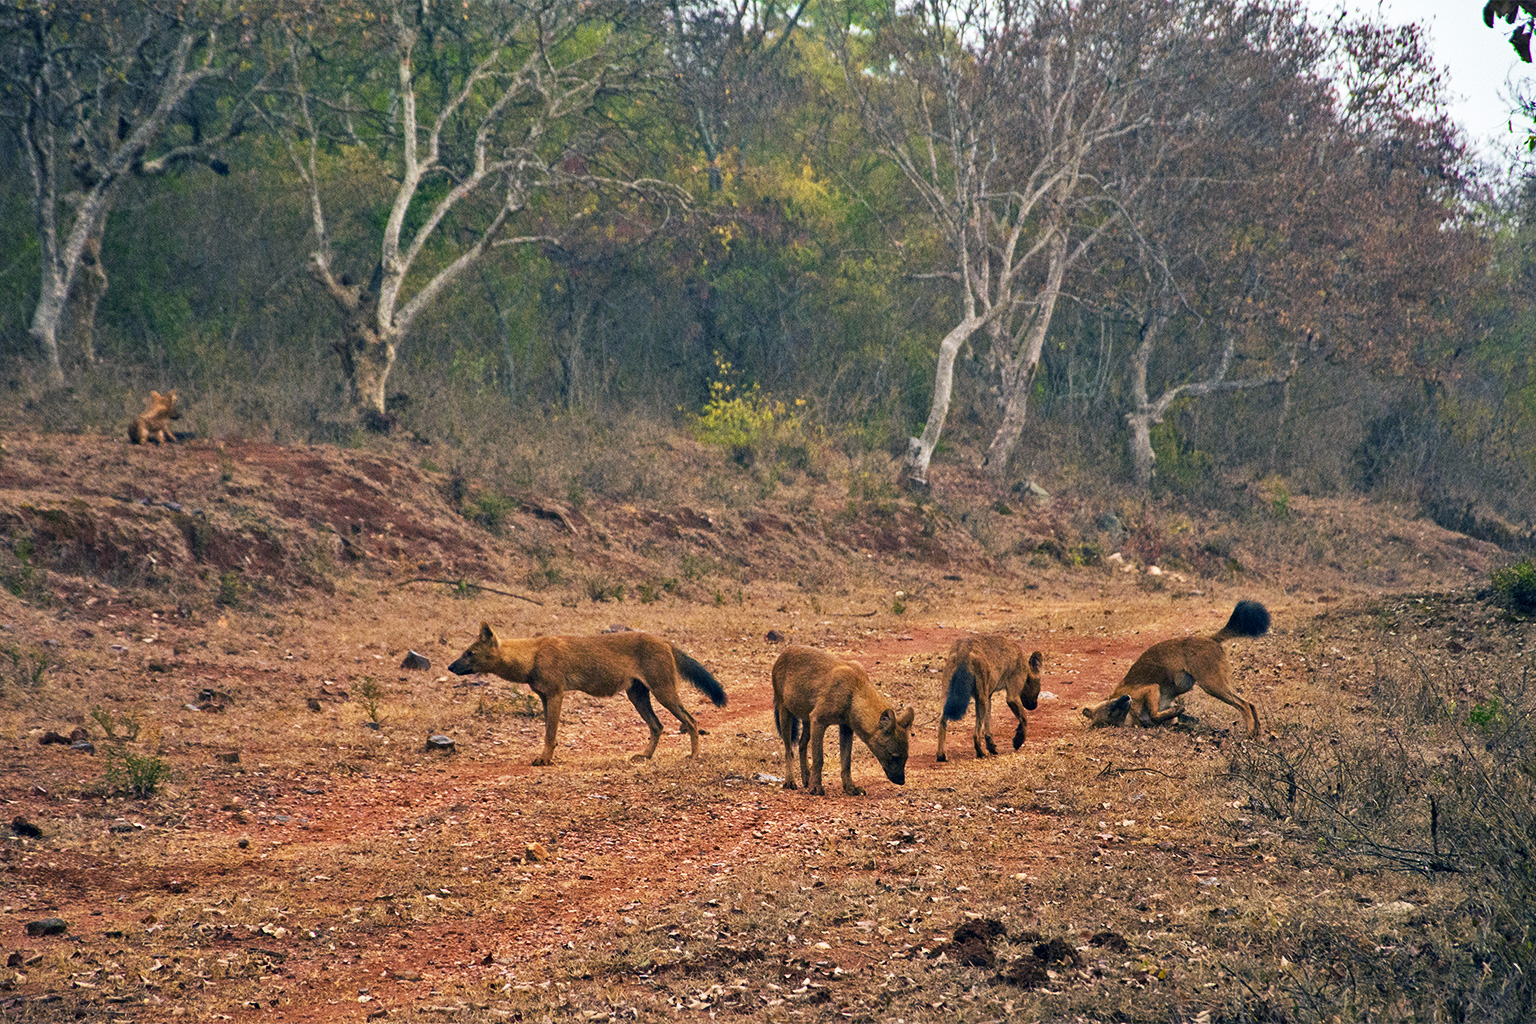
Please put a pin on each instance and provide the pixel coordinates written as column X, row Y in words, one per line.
column 774, row 637
column 52, row 737
column 83, row 747
column 419, row 662
column 314, row 705
column 536, row 853
column 14, row 960
column 228, row 756
column 47, row 926
column 77, row 734
column 244, row 843
column 406, row 975
column 1153, row 570
column 765, row 777
column 617, row 627
column 1397, row 908
column 208, row 696
column 439, row 742
column 22, row 827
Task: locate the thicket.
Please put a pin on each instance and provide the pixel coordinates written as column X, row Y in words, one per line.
column 802, row 262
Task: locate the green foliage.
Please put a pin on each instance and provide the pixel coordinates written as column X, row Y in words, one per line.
column 1486, row 716
column 133, row 774
column 371, row 694
column 28, row 664
column 232, row 589
column 110, row 724
column 1516, row 585
column 742, row 421
column 1180, row 466
column 602, row 589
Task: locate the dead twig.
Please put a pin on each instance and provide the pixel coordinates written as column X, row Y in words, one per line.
column 466, row 583
column 1110, row 771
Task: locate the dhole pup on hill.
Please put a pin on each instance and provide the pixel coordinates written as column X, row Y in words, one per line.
column 813, row 690
column 1174, row 667
column 978, row 667
column 636, row 663
column 151, row 423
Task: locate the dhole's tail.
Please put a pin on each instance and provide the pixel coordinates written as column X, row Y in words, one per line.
column 962, row 684
column 1249, row 618
column 794, row 725
column 699, row 676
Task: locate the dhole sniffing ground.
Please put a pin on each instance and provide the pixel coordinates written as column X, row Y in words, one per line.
column 308, row 859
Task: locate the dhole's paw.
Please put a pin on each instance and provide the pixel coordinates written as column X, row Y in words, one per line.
column 541, row 761
column 816, row 790
column 790, row 784
column 979, row 752
column 639, row 757
column 991, row 747
column 1018, row 737
column 852, row 790
column 941, row 758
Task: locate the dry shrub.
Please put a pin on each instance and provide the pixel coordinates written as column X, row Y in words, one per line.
column 1442, row 784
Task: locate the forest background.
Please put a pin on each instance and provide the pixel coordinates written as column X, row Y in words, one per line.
column 1146, row 244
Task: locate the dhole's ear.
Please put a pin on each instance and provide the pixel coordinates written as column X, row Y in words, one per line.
column 154, row 394
column 1122, row 703
column 486, row 634
column 887, row 721
column 1035, row 661
column 905, row 719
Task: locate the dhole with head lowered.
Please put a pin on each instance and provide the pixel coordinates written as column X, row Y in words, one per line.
column 637, row 664
column 813, row 690
column 1169, row 669
column 978, row 667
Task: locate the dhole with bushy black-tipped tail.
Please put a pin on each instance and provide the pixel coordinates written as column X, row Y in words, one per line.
column 637, row 663
column 1172, row 668
column 978, row 667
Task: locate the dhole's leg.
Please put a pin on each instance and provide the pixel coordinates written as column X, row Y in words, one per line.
column 1019, row 730
column 805, row 746
column 1220, row 687
column 815, row 737
column 983, row 718
column 786, row 723
column 845, row 751
column 640, row 697
column 667, row 694
column 940, row 757
column 552, row 704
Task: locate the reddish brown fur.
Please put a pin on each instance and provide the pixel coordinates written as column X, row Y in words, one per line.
column 1172, row 668
column 995, row 663
column 813, row 690
column 637, row 664
column 151, row 423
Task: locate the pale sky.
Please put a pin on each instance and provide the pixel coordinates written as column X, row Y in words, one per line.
column 1479, row 62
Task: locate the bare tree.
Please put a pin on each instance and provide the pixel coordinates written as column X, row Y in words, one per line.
column 995, row 113
column 727, row 61
column 97, row 91
column 480, row 121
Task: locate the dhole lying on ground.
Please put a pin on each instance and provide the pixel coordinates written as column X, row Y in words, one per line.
column 1169, row 669
column 152, row 421
column 978, row 667
column 636, row 663
column 813, row 690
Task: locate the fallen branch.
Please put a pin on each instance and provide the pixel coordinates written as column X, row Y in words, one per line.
column 1110, row 771
column 466, row 583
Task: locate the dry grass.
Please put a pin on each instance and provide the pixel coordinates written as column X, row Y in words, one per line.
column 1133, row 875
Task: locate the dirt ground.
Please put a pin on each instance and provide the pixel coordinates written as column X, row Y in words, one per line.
column 309, row 859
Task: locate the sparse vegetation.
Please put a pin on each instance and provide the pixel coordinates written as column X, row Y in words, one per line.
column 1516, row 585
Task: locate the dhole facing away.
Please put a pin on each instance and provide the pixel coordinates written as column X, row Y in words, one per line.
column 813, row 690
column 978, row 667
column 1167, row 670
column 151, row 423
column 637, row 664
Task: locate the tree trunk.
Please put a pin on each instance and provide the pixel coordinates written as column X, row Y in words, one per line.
column 1019, row 372
column 90, row 285
column 366, row 359
column 45, row 324
column 920, row 449
column 1143, row 458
